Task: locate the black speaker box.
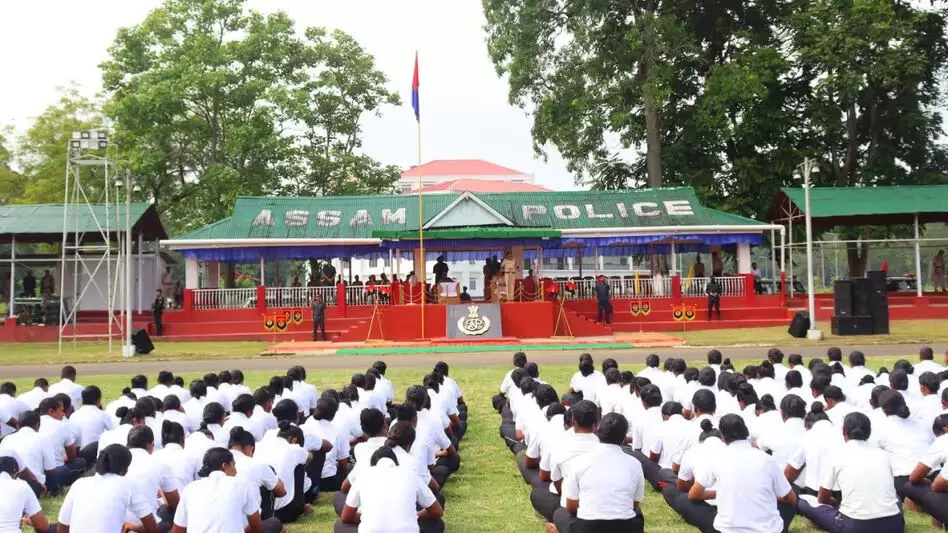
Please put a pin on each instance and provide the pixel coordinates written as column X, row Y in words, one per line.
column 878, row 280
column 880, row 324
column 862, row 293
column 142, row 341
column 852, row 325
column 799, row 325
column 843, row 297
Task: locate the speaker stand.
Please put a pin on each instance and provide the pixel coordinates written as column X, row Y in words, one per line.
column 814, row 334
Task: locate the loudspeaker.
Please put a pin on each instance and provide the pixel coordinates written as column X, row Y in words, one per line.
column 52, row 317
column 843, row 297
column 799, row 325
column 880, row 324
column 862, row 293
column 852, row 325
column 142, row 341
column 879, row 280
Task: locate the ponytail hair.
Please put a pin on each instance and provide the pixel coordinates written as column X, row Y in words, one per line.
column 172, row 433
column 132, row 414
column 766, row 403
column 287, row 430
column 893, row 403
column 114, row 459
column 214, row 460
column 213, row 414
column 708, row 430
column 120, row 413
column 240, row 438
column 401, row 434
column 383, row 453
column 816, row 414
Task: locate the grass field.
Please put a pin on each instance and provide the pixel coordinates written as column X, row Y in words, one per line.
column 920, row 331
column 487, row 495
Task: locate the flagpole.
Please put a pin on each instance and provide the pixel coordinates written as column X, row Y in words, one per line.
column 421, row 236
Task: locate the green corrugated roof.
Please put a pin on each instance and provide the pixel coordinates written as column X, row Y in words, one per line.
column 47, row 219
column 348, row 217
column 490, row 232
column 854, row 201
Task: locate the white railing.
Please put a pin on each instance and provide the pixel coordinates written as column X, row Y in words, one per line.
column 660, row 287
column 298, row 296
column 358, row 295
column 730, row 286
column 224, row 298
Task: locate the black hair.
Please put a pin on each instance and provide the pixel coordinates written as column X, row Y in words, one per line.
column 243, row 403
column 671, row 409
column 714, row 357
column 765, row 403
column 903, row 364
column 651, row 395
column 766, row 370
column 944, row 395
column 746, row 394
column 140, row 437
column 898, row 380
column 224, row 376
column 585, row 414
column 639, row 383
column 91, row 395
column 867, row 380
column 892, row 403
column 41, row 383
column 750, row 372
column 545, row 395
column 383, row 453
column 555, row 409
column 372, row 422
column 380, row 366
column 819, row 382
column 418, row 397
column 774, row 355
column 837, row 368
column 179, row 381
column 442, row 368
column 612, row 429
column 532, row 369
column 358, row 380
column 527, row 386
column 165, row 378
column 834, row 393
column 795, row 359
column 287, row 430
column 876, row 395
column 930, row 381
column 857, row 358
column 213, row 414
column 432, row 382
column 198, row 389
column 626, row 376
column 325, row 409
column 9, row 466
column 608, row 363
column 171, row 403
column 276, row 385
column 517, row 376
column 405, row 412
column 612, row 376
column 139, row 382
column 691, row 374
column 401, row 434
column 263, row 395
column 240, row 438
column 128, row 415
column 64, row 399
column 519, row 359
column 374, row 373
column 834, row 354
column 708, row 430
column 652, row 361
column 793, row 406
column 814, row 362
column 817, row 413
column 113, row 459
column 211, row 380
column 8, row 388
column 724, row 381
column 726, row 364
column 214, row 460
column 171, row 433
column 882, row 370
column 704, row 401
column 49, row 404
column 856, row 426
column 29, row 419
column 926, row 353
column 940, row 424
column 707, row 377
column 370, row 381
column 733, row 428
column 586, row 364
column 238, row 376
column 146, row 405
column 349, row 394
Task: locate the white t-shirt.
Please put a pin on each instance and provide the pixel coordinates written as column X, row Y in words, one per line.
column 507, row 384
column 33, row 449
column 588, row 385
column 698, row 458
column 148, row 475
column 32, row 398
column 937, row 453
column 197, row 444
column 182, row 465
column 69, row 388
column 610, row 398
column 241, row 420
column 607, row 482
column 904, row 441
column 340, row 444
column 263, row 419
column 674, row 437
column 647, row 430
column 386, row 497
column 119, row 435
column 217, row 504
column 748, row 483
column 284, row 458
column 60, row 435
column 566, row 454
column 781, row 440
column 18, row 501
column 181, row 418
column 547, row 437
column 812, row 453
column 862, row 473
column 254, row 471
column 102, row 503
column 91, row 423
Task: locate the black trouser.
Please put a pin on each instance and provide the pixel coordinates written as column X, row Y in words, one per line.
column 714, row 304
column 936, row 504
column 567, row 523
column 266, row 503
column 545, row 502
column 334, row 483
column 158, row 324
column 272, row 525
column 317, row 325
column 830, row 519
column 424, row 526
column 900, row 483
column 90, row 452
column 440, row 474
column 604, row 307
column 293, row 510
column 697, row 514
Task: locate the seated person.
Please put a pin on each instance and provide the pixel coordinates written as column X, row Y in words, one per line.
column 465, row 297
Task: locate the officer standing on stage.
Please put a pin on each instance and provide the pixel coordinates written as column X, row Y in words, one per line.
column 319, row 317
column 158, row 308
column 603, row 304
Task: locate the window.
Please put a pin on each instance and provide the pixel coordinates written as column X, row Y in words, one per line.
column 473, row 284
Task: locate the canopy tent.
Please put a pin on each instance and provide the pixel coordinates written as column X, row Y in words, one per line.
column 863, row 206
column 43, row 223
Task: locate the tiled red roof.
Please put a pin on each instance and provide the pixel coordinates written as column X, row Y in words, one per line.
column 473, row 185
column 460, row 167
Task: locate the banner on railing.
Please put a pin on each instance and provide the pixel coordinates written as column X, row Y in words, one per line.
column 684, row 312
column 282, row 320
column 640, row 307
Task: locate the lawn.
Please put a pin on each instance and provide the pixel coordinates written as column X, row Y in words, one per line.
column 487, row 495
column 901, row 331
column 39, row 353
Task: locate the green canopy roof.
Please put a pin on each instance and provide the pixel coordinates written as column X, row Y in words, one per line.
column 44, row 222
column 496, row 232
column 840, row 206
column 365, row 217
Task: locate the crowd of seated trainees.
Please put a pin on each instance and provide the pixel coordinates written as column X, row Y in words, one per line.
column 732, row 450
column 218, row 456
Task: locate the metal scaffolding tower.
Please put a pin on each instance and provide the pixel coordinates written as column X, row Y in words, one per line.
column 87, row 204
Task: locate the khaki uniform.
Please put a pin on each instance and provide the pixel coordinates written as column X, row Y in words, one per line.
column 509, row 268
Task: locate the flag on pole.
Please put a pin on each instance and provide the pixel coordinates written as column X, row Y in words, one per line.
column 885, row 266
column 635, row 284
column 414, row 91
column 689, row 276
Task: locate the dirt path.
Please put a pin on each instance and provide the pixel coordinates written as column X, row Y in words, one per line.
column 143, row 366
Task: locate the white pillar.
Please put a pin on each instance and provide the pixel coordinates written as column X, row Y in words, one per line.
column 159, row 270
column 790, row 250
column 674, row 259
column 190, row 273
column 263, row 271
column 398, row 264
column 597, row 258
column 419, row 266
column 743, row 258
column 918, row 260
column 13, row 275
column 140, row 259
column 773, row 256
column 213, row 278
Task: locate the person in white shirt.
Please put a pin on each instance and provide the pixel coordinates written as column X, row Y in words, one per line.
column 452, row 391
column 862, row 473
column 126, row 400
column 334, row 467
column 928, row 407
column 448, row 461
column 919, row 484
column 857, row 368
column 183, row 466
column 263, row 404
column 194, row 407
column 770, row 384
column 714, row 362
column 304, row 393
column 519, row 360
column 835, row 355
column 32, row 451
column 809, row 456
column 604, row 487
column 177, row 389
column 128, row 418
column 11, row 406
column 254, row 471
column 163, row 388
column 285, row 453
column 836, row 405
column 151, row 477
column 612, row 394
column 546, row 438
column 91, row 421
column 860, row 394
column 651, row 370
column 585, row 417
column 18, row 500
column 695, row 460
column 795, row 362
column 751, row 493
column 173, row 412
column 102, row 502
column 237, row 384
column 926, row 362
column 139, row 386
column 388, row 389
column 212, row 419
column 153, row 418
column 775, row 356
column 674, row 437
column 213, row 395
column 587, row 380
column 32, row 398
column 67, row 385
column 241, row 411
column 384, row 500
column 221, row 501
column 901, row 437
column 62, row 438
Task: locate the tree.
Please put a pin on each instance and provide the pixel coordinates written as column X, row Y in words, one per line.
column 43, row 150
column 12, row 183
column 341, row 87
column 875, row 66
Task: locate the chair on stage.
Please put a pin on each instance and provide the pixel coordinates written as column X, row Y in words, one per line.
column 449, row 292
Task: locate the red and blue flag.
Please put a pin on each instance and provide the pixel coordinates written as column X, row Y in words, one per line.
column 414, row 91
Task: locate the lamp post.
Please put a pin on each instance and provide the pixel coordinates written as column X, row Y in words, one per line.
column 804, row 170
column 128, row 350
